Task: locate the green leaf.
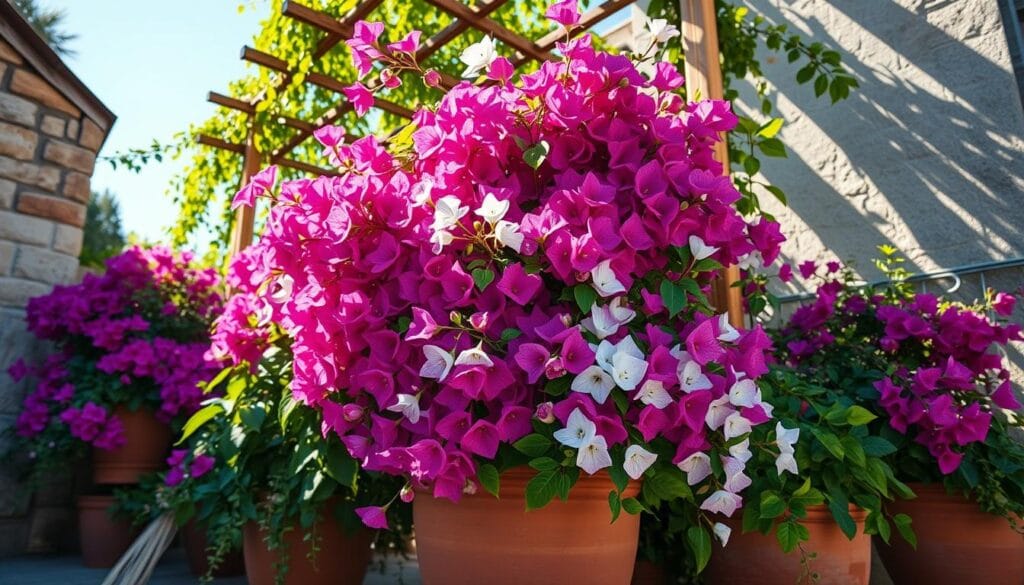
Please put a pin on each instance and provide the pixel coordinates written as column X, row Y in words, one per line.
column 533, row 445
column 615, row 503
column 830, row 442
column 339, row 465
column 788, row 536
column 854, row 452
column 751, row 165
column 558, row 386
column 585, row 296
column 772, row 147
column 859, row 416
column 488, row 476
column 778, row 193
column 877, row 446
column 806, row 73
column 544, row 464
column 673, row 296
column 770, row 128
column 700, row 542
column 510, row 334
column 903, row 524
column 482, row 277
column 201, row 417
column 820, row 85
column 253, row 416
column 632, row 506
column 841, row 512
column 535, row 155
column 541, row 489
column 669, row 484
column 772, row 505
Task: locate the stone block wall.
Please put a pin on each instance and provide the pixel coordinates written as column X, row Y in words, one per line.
column 48, row 151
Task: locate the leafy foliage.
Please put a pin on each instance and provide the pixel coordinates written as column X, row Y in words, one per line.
column 48, row 22
column 103, row 236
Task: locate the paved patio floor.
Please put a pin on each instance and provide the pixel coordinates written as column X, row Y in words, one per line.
column 172, row 570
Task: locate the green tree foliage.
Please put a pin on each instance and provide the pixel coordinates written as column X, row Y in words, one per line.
column 48, row 22
column 103, row 234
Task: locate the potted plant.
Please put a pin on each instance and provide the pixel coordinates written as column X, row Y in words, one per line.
column 507, row 306
column 932, row 371
column 128, row 349
column 259, row 472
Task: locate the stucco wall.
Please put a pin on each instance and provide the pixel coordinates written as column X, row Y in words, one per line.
column 927, row 154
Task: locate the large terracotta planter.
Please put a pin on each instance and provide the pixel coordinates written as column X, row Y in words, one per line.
column 956, row 543
column 195, row 543
column 103, row 540
column 647, row 573
column 144, row 451
column 757, row 558
column 342, row 559
column 482, row 539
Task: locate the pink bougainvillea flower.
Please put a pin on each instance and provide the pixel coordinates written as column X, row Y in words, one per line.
column 260, row 184
column 373, row 516
column 410, row 44
column 565, row 12
column 1003, row 304
column 360, row 98
column 500, row 70
column 518, row 285
column 807, row 268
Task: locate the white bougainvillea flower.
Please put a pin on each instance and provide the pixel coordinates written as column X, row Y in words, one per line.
column 603, row 353
column 692, row 377
column 439, row 363
column 474, row 356
column 741, row 450
column 654, row 394
column 786, row 439
column 699, row 249
column 478, row 57
column 745, row 394
column 736, row 480
column 696, row 466
column 492, row 209
column 440, row 239
column 507, row 234
column 447, row 212
column 408, row 405
column 282, row 288
column 594, row 381
column 578, row 430
column 751, row 261
column 421, row 191
column 722, row 502
column 736, row 425
column 722, row 532
column 718, row 411
column 627, row 371
column 637, row 461
column 786, row 462
column 606, row 320
column 726, row 332
column 593, row 455
column 605, row 282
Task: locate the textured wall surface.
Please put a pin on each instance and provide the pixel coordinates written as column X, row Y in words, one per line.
column 928, row 154
column 47, row 153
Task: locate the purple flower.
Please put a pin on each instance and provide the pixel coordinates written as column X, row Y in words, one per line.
column 373, row 516
column 565, row 12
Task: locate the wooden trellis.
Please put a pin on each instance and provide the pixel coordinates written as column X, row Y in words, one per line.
column 703, row 74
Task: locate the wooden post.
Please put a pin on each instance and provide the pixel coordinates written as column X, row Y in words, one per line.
column 704, row 74
column 245, row 216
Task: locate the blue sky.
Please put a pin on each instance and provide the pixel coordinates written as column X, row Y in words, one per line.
column 152, row 63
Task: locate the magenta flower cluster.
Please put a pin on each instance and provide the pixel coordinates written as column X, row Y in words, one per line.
column 182, row 465
column 950, row 373
column 506, row 269
column 140, row 327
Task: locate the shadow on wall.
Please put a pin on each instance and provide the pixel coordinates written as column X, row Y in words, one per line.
column 928, row 154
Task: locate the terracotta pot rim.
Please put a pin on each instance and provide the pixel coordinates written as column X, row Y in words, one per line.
column 512, row 485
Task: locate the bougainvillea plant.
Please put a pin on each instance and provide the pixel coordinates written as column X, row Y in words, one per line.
column 933, row 370
column 133, row 336
column 521, row 277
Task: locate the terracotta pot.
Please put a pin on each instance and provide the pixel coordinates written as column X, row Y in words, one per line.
column 482, row 539
column 647, row 573
column 144, row 451
column 342, row 559
column 757, row 558
column 956, row 543
column 103, row 539
column 194, row 541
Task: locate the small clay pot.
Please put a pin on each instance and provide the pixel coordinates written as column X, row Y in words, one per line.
column 956, row 543
column 103, row 540
column 195, row 543
column 483, row 539
column 342, row 559
column 753, row 557
column 147, row 441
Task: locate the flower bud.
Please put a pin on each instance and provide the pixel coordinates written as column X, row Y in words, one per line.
column 406, row 495
column 545, row 412
column 352, row 412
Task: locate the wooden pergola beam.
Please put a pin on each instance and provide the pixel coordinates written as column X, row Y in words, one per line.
column 230, row 102
column 487, row 26
column 237, row 148
column 207, row 140
column 454, row 29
